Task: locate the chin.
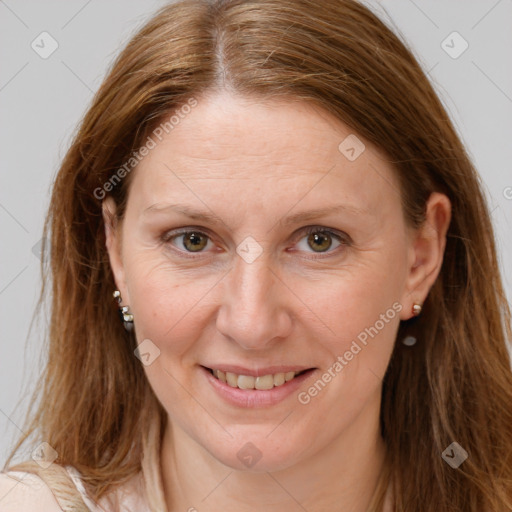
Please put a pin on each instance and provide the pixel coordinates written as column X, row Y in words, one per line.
column 255, row 454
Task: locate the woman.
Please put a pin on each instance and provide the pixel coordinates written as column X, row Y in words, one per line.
column 311, row 314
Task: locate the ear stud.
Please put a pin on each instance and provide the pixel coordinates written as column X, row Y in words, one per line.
column 124, row 312
column 416, row 309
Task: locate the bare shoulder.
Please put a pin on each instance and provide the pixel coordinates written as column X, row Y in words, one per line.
column 25, row 492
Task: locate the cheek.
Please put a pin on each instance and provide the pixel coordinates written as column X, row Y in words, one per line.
column 361, row 326
column 170, row 305
column 362, row 315
column 357, row 311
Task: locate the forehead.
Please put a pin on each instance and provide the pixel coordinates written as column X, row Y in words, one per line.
column 228, row 128
column 246, row 150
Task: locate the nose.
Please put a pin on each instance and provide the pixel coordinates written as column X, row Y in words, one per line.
column 255, row 304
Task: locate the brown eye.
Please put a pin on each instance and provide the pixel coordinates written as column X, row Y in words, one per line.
column 194, row 241
column 319, row 241
column 187, row 241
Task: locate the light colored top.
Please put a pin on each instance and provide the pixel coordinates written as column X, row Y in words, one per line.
column 25, row 492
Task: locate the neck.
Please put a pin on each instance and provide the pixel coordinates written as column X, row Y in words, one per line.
column 343, row 476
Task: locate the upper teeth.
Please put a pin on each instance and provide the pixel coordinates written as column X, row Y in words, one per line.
column 250, row 382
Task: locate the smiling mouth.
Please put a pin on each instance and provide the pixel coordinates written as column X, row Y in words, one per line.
column 264, row 382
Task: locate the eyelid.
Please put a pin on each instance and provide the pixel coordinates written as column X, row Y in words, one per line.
column 172, row 233
column 342, row 236
column 168, row 236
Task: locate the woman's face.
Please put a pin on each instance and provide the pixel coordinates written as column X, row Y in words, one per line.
column 258, row 239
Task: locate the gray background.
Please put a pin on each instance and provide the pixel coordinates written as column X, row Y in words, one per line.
column 42, row 100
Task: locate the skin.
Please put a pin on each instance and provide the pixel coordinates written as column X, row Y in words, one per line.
column 253, row 164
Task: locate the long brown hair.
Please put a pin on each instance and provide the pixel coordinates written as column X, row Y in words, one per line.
column 454, row 385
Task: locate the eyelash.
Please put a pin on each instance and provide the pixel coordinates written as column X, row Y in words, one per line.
column 342, row 238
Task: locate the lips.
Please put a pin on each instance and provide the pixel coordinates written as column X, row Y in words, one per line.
column 243, row 395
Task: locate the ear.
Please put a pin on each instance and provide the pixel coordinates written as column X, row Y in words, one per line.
column 113, row 244
column 426, row 253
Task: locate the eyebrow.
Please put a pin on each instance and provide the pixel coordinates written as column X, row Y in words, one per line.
column 296, row 218
column 185, row 210
column 323, row 212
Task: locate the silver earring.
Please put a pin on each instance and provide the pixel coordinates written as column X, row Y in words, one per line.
column 124, row 312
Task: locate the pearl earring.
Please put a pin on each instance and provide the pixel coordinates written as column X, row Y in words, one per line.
column 124, row 312
column 416, row 309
